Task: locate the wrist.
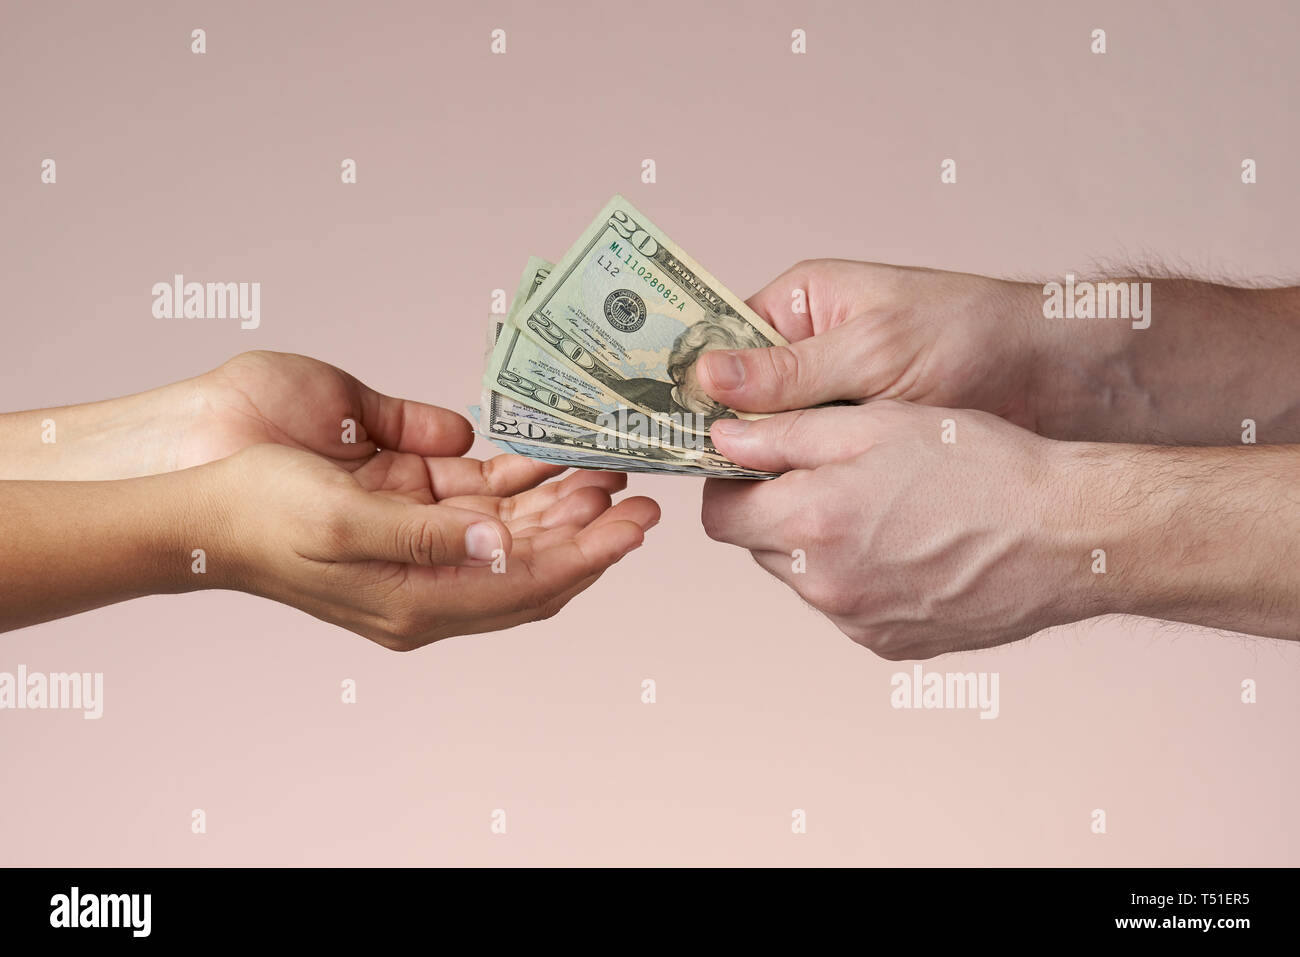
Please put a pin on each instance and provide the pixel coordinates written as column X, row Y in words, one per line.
column 74, row 546
column 1061, row 531
column 1079, row 369
column 1202, row 536
column 1100, row 526
column 196, row 530
column 126, row 437
column 1030, row 346
column 1103, row 519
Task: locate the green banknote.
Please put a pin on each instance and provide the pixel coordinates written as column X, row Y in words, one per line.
column 521, row 416
column 611, row 335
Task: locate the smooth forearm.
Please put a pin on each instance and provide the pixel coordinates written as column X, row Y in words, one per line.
column 1205, row 536
column 119, row 438
column 73, row 546
column 1211, row 358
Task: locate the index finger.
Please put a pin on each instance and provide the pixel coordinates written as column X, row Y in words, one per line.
column 748, row 514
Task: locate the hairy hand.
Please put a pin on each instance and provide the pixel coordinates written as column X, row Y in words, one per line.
column 864, row 331
column 912, row 545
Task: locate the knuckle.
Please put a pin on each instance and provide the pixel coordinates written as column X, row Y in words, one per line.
column 858, row 634
column 882, row 642
column 388, row 637
column 807, row 265
column 887, row 651
column 817, row 528
column 405, row 630
column 549, row 608
column 786, row 427
column 336, row 530
column 809, row 529
column 401, row 625
column 793, row 531
column 828, row 596
column 784, row 365
column 425, row 541
column 249, row 357
column 489, row 474
column 714, row 526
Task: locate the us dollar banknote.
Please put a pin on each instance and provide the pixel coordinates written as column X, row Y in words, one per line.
column 571, row 457
column 520, row 369
column 537, row 431
column 614, row 331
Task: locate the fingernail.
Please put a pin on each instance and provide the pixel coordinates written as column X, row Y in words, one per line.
column 730, row 427
column 481, row 540
column 726, row 370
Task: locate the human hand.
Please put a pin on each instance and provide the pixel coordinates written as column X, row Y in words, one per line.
column 300, row 402
column 406, row 550
column 912, row 545
column 874, row 331
column 254, row 398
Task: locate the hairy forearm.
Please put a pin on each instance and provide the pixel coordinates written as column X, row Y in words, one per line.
column 126, row 437
column 73, row 546
column 1212, row 357
column 1205, row 536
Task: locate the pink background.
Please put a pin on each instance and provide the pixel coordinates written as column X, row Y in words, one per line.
column 226, row 167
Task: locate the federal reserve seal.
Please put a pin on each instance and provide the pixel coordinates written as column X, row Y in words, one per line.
column 625, row 310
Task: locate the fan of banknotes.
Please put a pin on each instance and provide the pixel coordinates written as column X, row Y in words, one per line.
column 593, row 366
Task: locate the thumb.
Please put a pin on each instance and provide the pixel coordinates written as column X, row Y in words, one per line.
column 804, row 439
column 385, row 529
column 408, row 426
column 805, row 373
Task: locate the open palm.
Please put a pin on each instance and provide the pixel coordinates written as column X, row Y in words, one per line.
column 363, row 545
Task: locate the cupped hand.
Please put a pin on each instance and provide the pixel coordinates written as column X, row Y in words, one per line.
column 405, row 549
column 916, row 530
column 303, row 403
column 863, row 330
